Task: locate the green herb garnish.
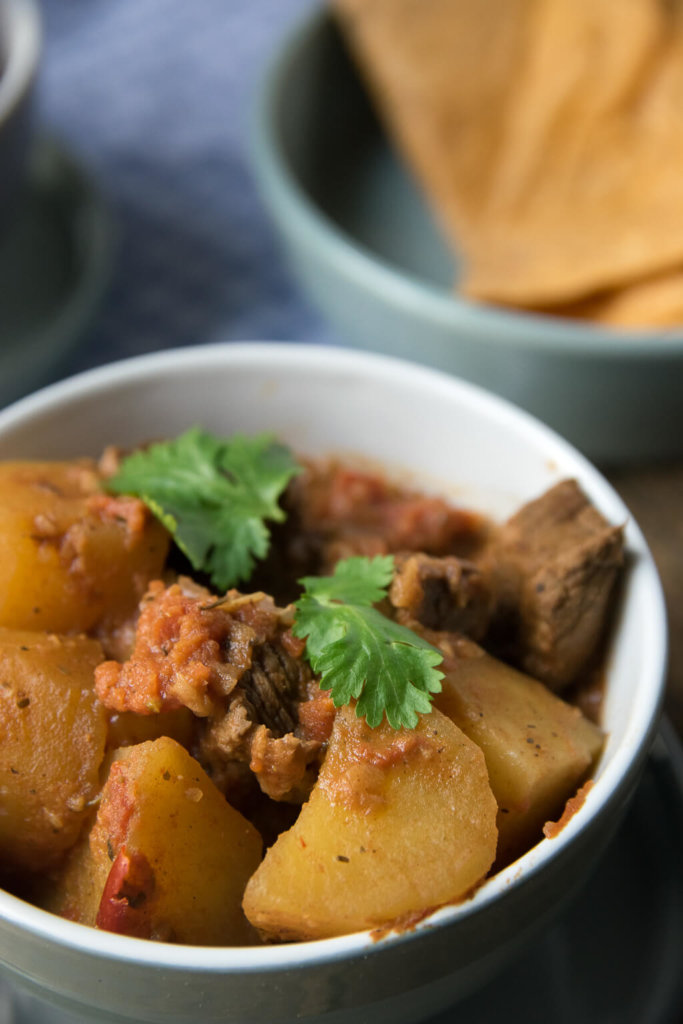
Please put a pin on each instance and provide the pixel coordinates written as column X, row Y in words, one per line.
column 214, row 495
column 361, row 654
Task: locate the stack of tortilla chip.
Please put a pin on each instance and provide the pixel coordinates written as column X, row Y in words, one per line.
column 548, row 136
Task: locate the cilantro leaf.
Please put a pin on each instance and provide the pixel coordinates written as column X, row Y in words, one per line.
column 214, row 495
column 360, row 653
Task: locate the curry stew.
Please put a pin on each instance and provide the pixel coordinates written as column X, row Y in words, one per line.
column 170, row 767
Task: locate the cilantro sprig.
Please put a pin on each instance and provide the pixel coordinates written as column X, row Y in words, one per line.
column 361, row 654
column 214, row 495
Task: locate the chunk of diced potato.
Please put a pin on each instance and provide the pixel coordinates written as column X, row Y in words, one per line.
column 52, row 739
column 70, row 556
column 538, row 748
column 127, row 728
column 398, row 822
column 167, row 857
column 74, row 889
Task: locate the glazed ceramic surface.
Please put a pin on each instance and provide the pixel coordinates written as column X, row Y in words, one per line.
column 438, row 433
column 54, row 265
column 20, row 47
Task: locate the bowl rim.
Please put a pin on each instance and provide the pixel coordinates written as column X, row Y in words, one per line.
column 292, row 206
column 292, row 357
column 58, row 179
column 22, row 22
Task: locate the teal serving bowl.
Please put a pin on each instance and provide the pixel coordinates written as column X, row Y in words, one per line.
column 366, row 251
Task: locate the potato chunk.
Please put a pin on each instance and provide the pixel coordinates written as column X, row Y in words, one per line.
column 71, row 557
column 52, row 738
column 167, row 858
column 398, row 822
column 538, row 748
column 126, row 728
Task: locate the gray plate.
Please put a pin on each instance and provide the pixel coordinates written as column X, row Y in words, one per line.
column 54, row 261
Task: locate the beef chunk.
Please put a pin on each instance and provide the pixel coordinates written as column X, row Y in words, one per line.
column 235, row 664
column 272, row 688
column 236, row 750
column 260, row 729
column 555, row 564
column 442, row 593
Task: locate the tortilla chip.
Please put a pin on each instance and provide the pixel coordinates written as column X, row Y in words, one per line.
column 438, row 71
column 655, row 302
column 547, row 133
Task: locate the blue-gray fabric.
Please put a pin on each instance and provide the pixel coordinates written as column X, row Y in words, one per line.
column 154, row 98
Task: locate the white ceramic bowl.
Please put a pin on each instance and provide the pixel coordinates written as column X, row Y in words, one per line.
column 447, row 435
column 367, row 252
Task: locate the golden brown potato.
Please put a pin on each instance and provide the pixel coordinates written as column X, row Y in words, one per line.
column 167, row 858
column 73, row 889
column 126, row 728
column 538, row 748
column 52, row 738
column 398, row 822
column 71, row 557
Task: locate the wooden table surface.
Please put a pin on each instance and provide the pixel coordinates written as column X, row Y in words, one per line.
column 655, row 497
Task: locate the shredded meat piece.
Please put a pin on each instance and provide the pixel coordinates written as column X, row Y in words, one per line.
column 358, row 510
column 443, row 593
column 234, row 663
column 178, row 658
column 272, row 688
column 281, row 765
column 351, row 511
column 284, row 763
